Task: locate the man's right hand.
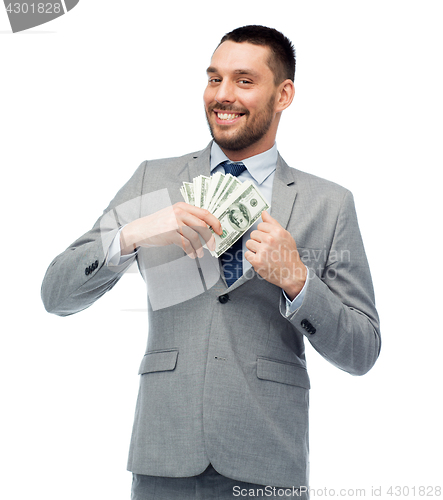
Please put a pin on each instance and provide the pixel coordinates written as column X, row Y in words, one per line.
column 181, row 224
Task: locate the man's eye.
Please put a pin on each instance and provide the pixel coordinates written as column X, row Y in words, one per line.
column 214, row 80
column 245, row 82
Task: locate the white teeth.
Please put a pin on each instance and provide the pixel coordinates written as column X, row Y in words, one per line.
column 226, row 116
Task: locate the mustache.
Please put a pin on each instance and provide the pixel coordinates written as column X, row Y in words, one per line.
column 228, row 109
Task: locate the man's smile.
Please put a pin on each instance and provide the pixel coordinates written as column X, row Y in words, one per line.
column 227, row 118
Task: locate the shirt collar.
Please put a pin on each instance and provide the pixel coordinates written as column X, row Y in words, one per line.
column 260, row 166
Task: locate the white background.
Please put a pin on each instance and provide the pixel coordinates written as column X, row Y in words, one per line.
column 86, row 98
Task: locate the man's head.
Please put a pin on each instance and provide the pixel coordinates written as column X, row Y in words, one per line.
column 250, row 82
column 282, row 54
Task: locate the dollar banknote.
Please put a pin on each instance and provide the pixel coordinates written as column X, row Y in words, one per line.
column 237, row 205
column 187, row 191
column 227, row 188
column 237, row 215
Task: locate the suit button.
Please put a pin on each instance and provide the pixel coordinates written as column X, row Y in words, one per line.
column 96, row 264
column 308, row 326
column 223, row 298
column 87, row 271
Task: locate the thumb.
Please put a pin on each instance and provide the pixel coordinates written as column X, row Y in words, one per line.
column 267, row 218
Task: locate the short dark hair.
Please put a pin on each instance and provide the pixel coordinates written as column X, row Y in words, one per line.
column 282, row 59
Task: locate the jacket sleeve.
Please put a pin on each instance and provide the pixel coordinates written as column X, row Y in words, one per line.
column 77, row 277
column 338, row 314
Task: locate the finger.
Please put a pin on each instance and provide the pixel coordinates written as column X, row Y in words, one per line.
column 257, row 235
column 200, row 226
column 205, row 234
column 199, row 217
column 249, row 256
column 213, row 222
column 211, row 243
column 182, row 242
column 265, row 227
column 253, row 246
column 191, row 235
column 188, row 216
column 197, row 236
column 266, row 218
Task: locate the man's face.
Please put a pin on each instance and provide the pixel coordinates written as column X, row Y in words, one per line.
column 238, row 218
column 240, row 98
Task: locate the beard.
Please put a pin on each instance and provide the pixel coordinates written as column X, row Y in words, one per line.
column 250, row 133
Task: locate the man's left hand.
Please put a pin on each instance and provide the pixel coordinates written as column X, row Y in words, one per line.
column 273, row 254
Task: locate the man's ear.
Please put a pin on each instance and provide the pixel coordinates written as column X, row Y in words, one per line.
column 285, row 95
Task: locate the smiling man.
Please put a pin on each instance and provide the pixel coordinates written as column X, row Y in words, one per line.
column 244, row 99
column 223, row 404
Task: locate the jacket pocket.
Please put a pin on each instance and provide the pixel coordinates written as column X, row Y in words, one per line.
column 283, row 372
column 158, row 361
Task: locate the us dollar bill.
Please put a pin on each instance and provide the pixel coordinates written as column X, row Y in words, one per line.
column 187, row 191
column 227, row 189
column 204, row 186
column 214, row 186
column 237, row 215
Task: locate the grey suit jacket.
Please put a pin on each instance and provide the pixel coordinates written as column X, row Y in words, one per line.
column 224, row 377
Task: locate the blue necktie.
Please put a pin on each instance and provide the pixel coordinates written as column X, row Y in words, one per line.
column 232, row 259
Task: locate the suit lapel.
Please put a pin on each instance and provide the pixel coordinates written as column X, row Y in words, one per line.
column 198, row 165
column 283, row 192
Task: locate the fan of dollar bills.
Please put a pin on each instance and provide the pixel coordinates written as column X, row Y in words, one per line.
column 237, row 205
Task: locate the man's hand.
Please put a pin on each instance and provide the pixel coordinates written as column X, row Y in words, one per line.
column 181, row 224
column 273, row 254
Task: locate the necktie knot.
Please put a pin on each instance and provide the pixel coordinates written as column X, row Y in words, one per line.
column 232, row 168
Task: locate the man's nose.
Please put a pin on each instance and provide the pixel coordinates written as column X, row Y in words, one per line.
column 225, row 93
